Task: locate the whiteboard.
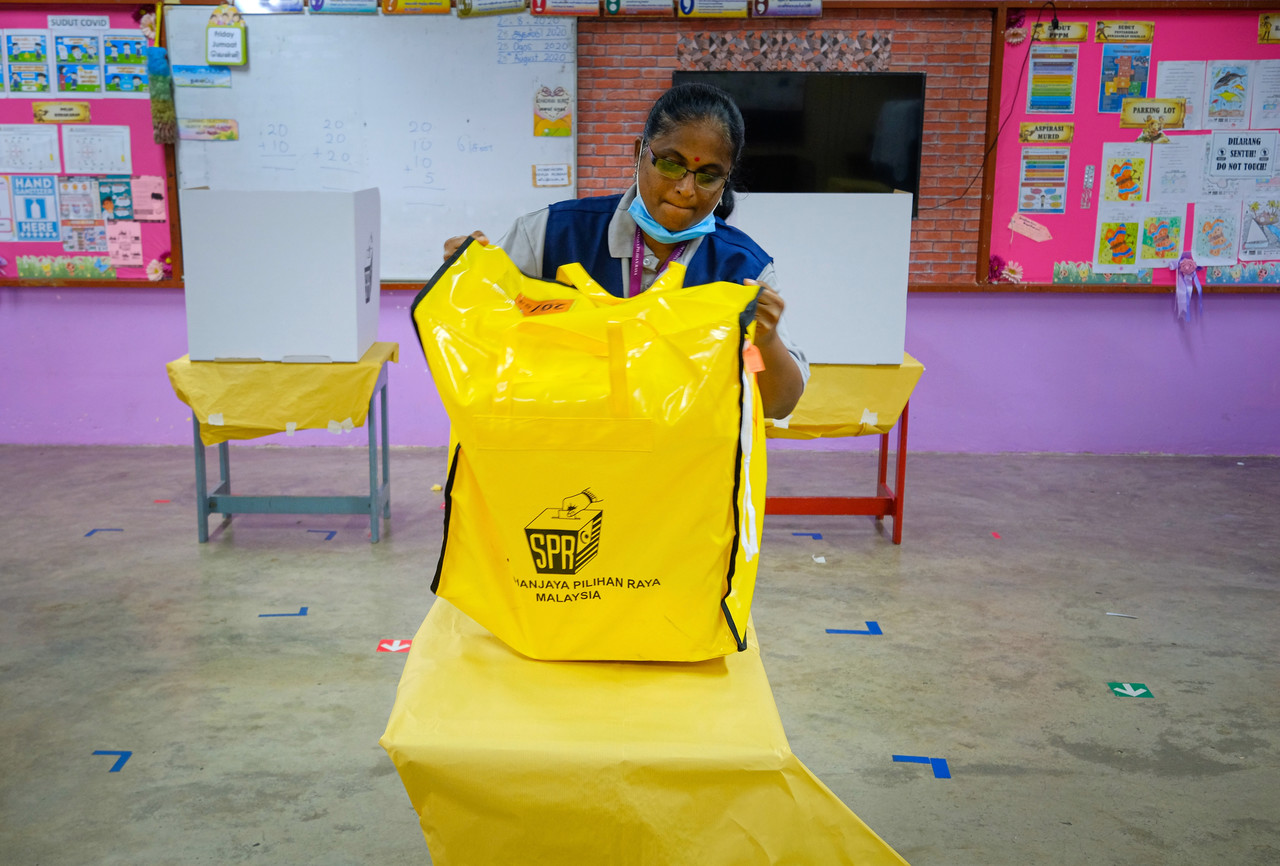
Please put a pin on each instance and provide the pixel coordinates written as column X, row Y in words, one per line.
column 841, row 262
column 434, row 110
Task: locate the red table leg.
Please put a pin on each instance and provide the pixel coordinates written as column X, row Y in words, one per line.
column 886, row 503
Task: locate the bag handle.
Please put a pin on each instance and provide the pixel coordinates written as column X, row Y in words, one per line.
column 576, row 275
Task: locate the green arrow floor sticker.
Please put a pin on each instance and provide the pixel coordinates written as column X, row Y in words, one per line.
column 1130, row 690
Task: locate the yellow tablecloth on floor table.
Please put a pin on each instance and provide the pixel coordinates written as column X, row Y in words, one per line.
column 245, row 400
column 850, row 400
column 513, row 761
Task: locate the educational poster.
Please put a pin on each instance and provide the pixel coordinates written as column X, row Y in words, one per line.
column 711, row 8
column 638, row 7
column 116, row 195
column 124, row 64
column 126, row 80
column 1176, row 166
column 1227, row 94
column 472, row 8
column 1161, row 234
column 1260, row 230
column 26, row 58
column 35, row 208
column 349, row 7
column 1116, row 239
column 1043, row 186
column 148, row 199
column 97, row 149
column 786, row 8
column 1124, row 171
column 78, row 198
column 1125, row 71
column 567, row 7
column 416, row 7
column 1215, row 233
column 124, row 244
column 1051, row 85
column 552, row 111
column 1183, row 79
column 79, row 63
column 84, row 236
column 29, row 148
column 267, row 7
column 6, row 210
column 1265, row 112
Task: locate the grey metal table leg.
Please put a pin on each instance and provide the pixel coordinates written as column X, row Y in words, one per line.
column 375, row 516
column 202, row 488
column 386, row 454
column 224, row 471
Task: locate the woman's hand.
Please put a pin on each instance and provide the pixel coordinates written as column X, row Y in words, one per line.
column 780, row 381
column 769, row 307
column 452, row 244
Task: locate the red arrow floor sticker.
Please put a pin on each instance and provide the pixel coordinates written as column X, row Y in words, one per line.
column 394, row 646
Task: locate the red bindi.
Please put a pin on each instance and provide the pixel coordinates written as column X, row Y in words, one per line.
column 697, row 159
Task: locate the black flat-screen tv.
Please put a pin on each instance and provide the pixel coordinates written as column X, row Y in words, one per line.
column 827, row 131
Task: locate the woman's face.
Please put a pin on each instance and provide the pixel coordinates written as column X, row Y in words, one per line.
column 678, row 204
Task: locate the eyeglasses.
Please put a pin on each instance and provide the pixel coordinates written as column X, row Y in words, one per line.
column 675, row 171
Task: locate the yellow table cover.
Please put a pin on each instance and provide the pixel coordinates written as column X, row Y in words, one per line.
column 245, row 400
column 512, row 761
column 850, row 400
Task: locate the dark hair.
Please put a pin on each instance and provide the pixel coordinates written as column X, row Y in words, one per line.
column 701, row 103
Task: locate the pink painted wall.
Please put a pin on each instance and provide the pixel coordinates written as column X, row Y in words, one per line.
column 1005, row 372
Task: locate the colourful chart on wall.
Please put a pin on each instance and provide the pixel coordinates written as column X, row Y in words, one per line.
column 1146, row 140
column 83, row 185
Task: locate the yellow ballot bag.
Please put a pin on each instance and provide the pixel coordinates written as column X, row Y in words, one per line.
column 607, row 467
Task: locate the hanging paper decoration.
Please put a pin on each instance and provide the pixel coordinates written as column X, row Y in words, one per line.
column 1187, row 283
column 164, row 117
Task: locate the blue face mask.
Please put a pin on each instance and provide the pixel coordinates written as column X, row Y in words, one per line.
column 655, row 229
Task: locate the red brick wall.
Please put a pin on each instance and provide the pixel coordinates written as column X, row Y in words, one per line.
column 623, row 65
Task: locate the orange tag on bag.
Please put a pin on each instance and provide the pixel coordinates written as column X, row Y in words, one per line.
column 752, row 358
column 530, row 307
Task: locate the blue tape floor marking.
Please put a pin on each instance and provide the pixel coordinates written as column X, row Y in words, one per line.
column 816, row 536
column 331, row 533
column 940, row 768
column 872, row 628
column 301, row 612
column 92, row 531
column 123, row 756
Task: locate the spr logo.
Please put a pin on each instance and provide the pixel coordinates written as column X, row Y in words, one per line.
column 562, row 540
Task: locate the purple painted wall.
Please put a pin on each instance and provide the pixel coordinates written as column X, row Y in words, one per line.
column 1005, row 372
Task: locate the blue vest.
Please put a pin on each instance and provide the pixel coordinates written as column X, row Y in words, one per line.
column 578, row 231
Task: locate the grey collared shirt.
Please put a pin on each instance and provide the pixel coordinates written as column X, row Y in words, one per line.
column 523, row 242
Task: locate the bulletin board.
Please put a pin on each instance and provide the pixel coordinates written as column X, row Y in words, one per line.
column 461, row 123
column 1209, row 186
column 85, row 191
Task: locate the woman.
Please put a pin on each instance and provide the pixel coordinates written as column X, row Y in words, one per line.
column 674, row 211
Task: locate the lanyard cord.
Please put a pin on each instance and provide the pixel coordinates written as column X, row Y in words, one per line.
column 637, row 262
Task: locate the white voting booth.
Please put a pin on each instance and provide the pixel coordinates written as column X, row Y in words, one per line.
column 841, row 260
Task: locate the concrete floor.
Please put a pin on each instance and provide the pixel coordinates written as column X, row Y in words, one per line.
column 255, row 738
